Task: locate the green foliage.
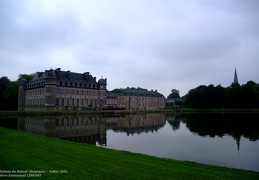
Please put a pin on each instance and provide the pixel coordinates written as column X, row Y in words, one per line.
column 234, row 96
column 28, row 77
column 3, row 84
column 9, row 91
column 116, row 91
column 119, row 90
column 11, row 96
column 25, row 151
column 175, row 94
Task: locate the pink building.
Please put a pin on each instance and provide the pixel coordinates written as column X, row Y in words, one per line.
column 133, row 98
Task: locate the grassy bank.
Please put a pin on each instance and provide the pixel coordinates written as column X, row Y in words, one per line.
column 24, row 151
column 221, row 110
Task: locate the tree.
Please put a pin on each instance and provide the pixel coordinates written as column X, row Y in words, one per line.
column 175, row 94
column 116, row 91
column 11, row 96
column 9, row 91
column 4, row 81
column 28, row 77
column 234, row 96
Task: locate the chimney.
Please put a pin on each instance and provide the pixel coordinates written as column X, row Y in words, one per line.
column 94, row 78
column 48, row 73
column 58, row 72
column 39, row 74
column 87, row 75
column 68, row 74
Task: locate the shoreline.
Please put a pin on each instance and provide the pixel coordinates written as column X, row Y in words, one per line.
column 78, row 112
column 110, row 112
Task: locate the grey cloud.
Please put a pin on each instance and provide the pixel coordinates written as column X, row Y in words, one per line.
column 23, row 32
column 152, row 44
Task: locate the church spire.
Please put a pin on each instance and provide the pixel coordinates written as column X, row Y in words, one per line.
column 235, row 77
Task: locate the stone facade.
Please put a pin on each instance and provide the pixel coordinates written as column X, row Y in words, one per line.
column 112, row 100
column 61, row 90
column 135, row 99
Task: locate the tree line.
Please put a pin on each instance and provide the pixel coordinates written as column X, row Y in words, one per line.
column 9, row 91
column 235, row 96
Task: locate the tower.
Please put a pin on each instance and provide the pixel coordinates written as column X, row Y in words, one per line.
column 21, row 94
column 50, row 90
column 235, row 77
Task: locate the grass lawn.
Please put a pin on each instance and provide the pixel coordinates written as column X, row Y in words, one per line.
column 68, row 160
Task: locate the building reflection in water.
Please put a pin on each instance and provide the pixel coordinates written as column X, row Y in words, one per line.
column 136, row 124
column 84, row 129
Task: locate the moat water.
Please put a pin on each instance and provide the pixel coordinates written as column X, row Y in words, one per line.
column 230, row 140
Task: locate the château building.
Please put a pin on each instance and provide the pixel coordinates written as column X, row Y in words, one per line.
column 133, row 98
column 61, row 90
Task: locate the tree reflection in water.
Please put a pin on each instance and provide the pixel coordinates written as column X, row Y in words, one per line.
column 212, row 125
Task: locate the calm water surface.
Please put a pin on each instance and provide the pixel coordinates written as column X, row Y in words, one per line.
column 227, row 140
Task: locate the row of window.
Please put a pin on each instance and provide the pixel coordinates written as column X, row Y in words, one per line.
column 77, row 102
column 147, row 95
column 34, row 102
column 35, row 84
column 77, row 122
column 35, row 92
column 76, row 84
column 71, row 84
column 80, row 92
column 123, row 98
column 65, row 102
column 138, row 104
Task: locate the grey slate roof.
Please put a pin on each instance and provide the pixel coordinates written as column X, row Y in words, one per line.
column 111, row 96
column 140, row 92
column 64, row 75
column 23, row 82
column 102, row 81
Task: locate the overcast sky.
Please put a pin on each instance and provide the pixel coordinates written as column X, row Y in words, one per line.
column 153, row 44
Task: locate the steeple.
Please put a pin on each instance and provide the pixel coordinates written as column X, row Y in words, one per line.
column 235, row 77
